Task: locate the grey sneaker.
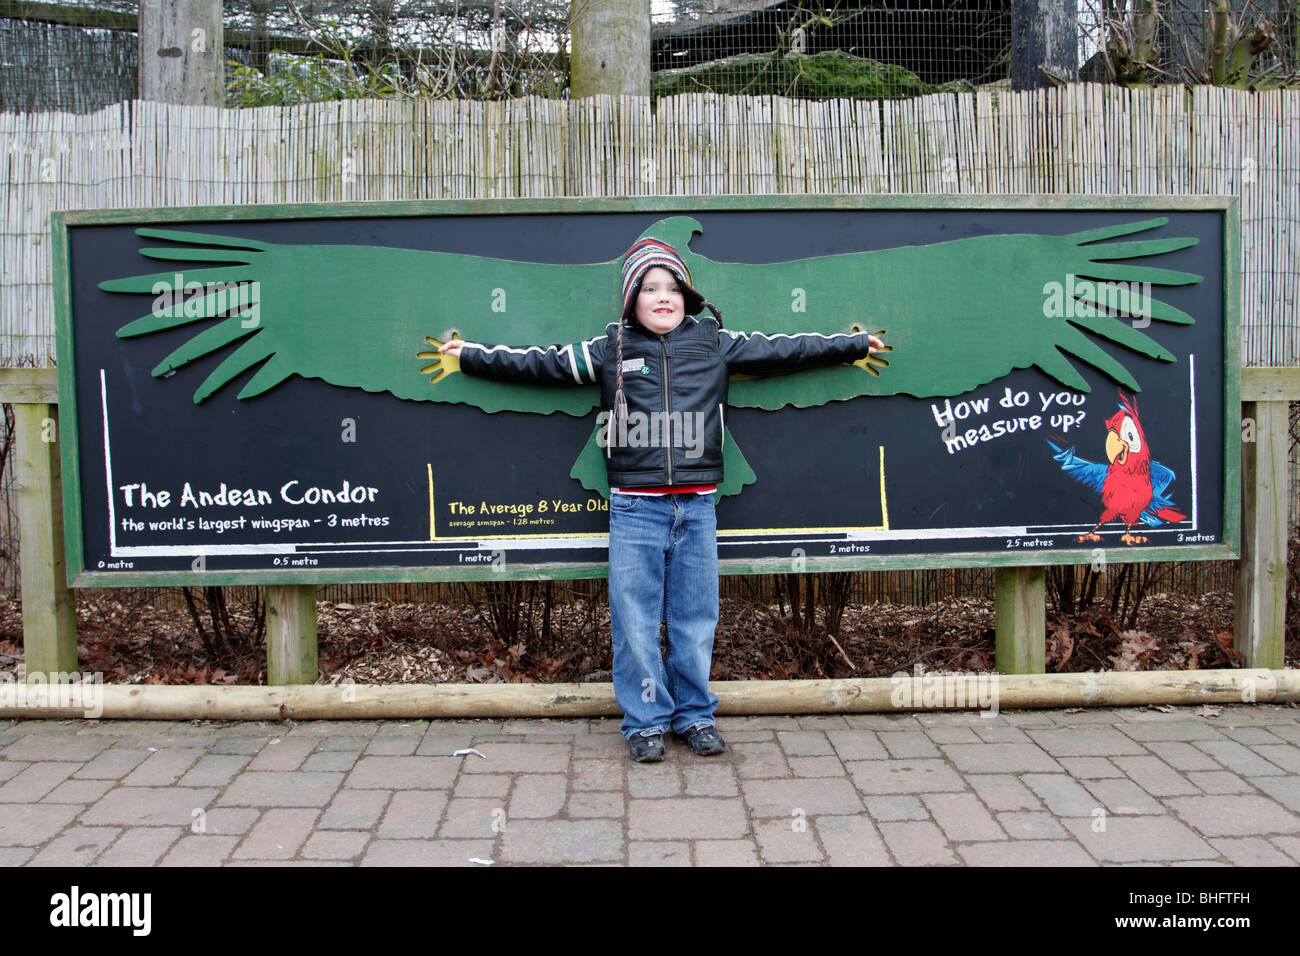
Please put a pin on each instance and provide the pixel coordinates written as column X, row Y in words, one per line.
column 704, row 741
column 646, row 749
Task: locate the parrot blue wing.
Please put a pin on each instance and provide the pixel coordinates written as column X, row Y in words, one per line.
column 1161, row 478
column 1087, row 473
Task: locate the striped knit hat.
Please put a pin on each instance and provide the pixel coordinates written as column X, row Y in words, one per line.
column 642, row 257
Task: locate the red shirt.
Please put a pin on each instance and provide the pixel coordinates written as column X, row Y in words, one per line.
column 667, row 490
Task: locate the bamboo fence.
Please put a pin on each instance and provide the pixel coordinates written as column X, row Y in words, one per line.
column 1084, row 139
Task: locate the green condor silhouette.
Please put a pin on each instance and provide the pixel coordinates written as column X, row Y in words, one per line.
column 959, row 314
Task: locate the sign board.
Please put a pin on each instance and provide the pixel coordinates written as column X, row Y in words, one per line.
column 241, row 394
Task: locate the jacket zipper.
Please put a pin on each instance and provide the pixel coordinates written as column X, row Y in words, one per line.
column 668, row 446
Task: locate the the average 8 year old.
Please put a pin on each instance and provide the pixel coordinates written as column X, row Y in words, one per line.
column 663, row 372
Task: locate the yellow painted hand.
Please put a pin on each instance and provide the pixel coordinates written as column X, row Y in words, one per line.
column 869, row 361
column 444, row 364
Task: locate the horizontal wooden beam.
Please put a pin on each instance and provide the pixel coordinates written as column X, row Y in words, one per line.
column 88, row 17
column 29, row 386
column 64, row 15
column 985, row 693
column 1270, row 384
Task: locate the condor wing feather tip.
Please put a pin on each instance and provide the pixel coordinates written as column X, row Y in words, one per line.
column 200, row 238
column 1110, row 232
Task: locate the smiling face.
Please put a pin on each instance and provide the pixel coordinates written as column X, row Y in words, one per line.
column 660, row 306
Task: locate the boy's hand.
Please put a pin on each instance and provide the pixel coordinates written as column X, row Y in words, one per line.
column 447, row 357
column 874, row 345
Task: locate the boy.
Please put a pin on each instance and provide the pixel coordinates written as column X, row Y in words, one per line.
column 663, row 373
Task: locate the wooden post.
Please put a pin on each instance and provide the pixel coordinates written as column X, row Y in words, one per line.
column 1044, row 42
column 291, row 634
column 610, row 48
column 182, row 56
column 1261, row 570
column 49, row 616
column 1020, row 606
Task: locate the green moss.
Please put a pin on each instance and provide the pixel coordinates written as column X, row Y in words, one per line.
column 830, row 75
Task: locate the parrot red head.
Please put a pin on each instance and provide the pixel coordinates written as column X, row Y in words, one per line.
column 1126, row 443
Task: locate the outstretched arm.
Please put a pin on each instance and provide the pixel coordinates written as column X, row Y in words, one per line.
column 757, row 352
column 576, row 364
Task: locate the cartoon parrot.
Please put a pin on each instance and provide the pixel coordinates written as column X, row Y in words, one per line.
column 1132, row 486
column 961, row 314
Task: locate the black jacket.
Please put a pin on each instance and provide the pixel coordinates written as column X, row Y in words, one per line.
column 675, row 386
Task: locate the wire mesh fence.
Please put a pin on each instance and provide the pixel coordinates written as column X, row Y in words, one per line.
column 1175, row 41
column 79, row 55
column 63, row 67
column 857, row 48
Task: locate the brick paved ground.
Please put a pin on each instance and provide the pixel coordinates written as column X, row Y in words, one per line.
column 1116, row 786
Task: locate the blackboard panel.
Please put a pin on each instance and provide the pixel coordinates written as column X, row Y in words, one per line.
column 351, row 465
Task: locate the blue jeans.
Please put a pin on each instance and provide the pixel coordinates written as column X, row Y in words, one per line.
column 663, row 565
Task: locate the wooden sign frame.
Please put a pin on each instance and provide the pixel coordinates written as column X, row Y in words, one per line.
column 1225, row 545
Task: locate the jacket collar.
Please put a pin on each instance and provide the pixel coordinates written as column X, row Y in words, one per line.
column 689, row 321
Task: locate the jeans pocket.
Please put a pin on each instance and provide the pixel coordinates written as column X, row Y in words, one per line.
column 623, row 503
